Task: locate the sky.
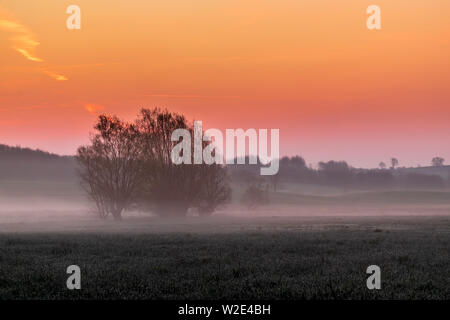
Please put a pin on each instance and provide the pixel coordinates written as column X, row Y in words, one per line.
column 311, row 68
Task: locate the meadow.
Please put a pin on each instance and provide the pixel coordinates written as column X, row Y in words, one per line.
column 307, row 243
column 226, row 257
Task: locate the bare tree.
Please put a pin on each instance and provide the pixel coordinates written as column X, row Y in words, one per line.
column 437, row 161
column 110, row 168
column 130, row 164
column 394, row 163
column 168, row 189
column 171, row 189
column 256, row 194
column 382, row 165
column 215, row 191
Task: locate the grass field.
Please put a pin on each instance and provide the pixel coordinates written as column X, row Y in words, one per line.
column 226, row 257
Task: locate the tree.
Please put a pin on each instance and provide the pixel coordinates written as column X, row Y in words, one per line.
column 110, row 168
column 298, row 162
column 394, row 163
column 215, row 191
column 336, row 172
column 171, row 189
column 291, row 169
column 256, row 194
column 382, row 165
column 437, row 161
column 274, row 181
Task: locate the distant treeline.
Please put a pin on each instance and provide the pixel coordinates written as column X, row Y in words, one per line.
column 341, row 174
column 17, row 163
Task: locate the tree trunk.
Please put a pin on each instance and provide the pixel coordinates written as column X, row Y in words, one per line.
column 117, row 214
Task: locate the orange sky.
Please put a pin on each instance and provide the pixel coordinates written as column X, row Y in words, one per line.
column 310, row 68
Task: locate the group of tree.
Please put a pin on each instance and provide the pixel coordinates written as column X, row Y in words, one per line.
column 341, row 174
column 128, row 165
column 437, row 161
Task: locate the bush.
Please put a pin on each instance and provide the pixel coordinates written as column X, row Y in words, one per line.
column 255, row 195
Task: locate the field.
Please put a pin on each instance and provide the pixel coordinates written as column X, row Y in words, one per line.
column 224, row 257
column 307, row 243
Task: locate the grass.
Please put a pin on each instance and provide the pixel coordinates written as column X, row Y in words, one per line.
column 266, row 258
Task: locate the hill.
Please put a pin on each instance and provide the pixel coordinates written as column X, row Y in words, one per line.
column 442, row 171
column 34, row 180
column 17, row 163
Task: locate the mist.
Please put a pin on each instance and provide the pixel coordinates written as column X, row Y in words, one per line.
column 42, row 192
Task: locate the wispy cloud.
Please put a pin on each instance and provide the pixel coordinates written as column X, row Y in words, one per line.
column 24, row 41
column 93, row 108
column 57, row 77
column 28, row 55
